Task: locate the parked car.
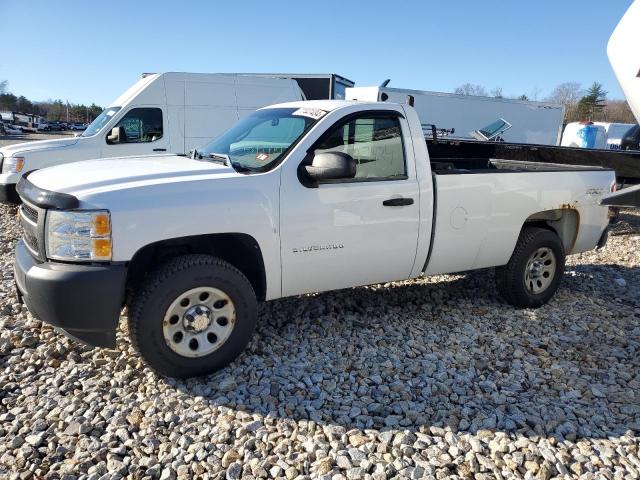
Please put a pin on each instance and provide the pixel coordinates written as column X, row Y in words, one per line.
column 295, row 198
column 77, row 126
column 10, row 129
column 56, row 126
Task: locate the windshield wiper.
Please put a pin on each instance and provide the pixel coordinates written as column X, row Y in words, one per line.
column 220, row 158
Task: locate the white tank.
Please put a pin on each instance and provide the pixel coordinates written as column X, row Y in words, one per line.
column 584, row 135
column 624, row 56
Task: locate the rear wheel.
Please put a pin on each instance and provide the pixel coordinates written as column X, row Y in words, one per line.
column 535, row 269
column 192, row 316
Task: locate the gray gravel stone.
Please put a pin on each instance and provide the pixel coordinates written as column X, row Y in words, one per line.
column 429, row 378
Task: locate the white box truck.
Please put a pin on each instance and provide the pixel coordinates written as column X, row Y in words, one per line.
column 529, row 122
column 163, row 112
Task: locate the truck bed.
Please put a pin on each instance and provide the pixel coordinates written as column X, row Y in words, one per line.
column 464, row 156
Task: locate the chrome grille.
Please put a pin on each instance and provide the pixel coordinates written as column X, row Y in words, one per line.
column 29, row 212
column 30, row 219
column 31, row 241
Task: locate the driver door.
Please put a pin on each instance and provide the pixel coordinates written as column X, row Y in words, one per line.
column 143, row 131
column 352, row 231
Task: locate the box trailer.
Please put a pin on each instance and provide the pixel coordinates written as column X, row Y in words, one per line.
column 315, row 86
column 467, row 117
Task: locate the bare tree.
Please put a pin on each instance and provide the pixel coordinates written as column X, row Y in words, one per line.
column 535, row 93
column 471, row 89
column 497, row 92
column 3, row 86
column 617, row 111
column 567, row 93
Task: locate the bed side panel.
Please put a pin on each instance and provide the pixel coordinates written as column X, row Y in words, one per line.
column 479, row 216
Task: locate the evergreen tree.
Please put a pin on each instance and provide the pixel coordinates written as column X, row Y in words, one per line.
column 593, row 102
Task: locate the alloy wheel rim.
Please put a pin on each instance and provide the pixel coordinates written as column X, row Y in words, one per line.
column 199, row 322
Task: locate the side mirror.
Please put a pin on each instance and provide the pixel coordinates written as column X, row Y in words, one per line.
column 117, row 135
column 331, row 166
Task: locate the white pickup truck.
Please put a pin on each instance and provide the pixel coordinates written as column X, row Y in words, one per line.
column 295, row 198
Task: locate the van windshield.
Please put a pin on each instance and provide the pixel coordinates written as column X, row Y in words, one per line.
column 100, row 121
column 260, row 140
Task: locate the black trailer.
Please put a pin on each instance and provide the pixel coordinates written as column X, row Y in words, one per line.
column 625, row 163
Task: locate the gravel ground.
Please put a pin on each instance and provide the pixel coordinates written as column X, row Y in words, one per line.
column 430, row 378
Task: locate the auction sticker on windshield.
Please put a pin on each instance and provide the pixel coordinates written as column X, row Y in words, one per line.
column 314, row 113
column 262, row 157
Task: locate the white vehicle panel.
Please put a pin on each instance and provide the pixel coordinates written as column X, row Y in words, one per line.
column 203, row 123
column 479, row 216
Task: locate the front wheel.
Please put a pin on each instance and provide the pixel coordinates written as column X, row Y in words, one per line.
column 535, row 269
column 192, row 316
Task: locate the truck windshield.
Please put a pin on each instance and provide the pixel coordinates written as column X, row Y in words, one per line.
column 100, row 121
column 260, row 140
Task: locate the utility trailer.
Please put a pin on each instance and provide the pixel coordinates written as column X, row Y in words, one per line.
column 469, row 116
column 625, row 163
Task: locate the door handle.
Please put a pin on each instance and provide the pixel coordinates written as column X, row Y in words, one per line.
column 398, row 202
column 159, row 149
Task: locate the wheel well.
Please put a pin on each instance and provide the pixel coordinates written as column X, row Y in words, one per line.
column 239, row 249
column 565, row 222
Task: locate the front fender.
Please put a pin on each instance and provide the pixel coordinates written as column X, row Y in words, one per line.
column 148, row 214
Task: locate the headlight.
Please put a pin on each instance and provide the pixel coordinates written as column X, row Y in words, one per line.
column 83, row 236
column 13, row 165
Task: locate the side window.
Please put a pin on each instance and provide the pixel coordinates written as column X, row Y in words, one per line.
column 141, row 125
column 374, row 142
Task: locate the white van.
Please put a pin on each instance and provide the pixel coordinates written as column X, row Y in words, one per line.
column 163, row 112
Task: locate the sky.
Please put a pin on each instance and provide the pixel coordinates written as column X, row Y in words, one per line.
column 85, row 51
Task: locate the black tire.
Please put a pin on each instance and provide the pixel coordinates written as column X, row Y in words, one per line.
column 510, row 279
column 148, row 305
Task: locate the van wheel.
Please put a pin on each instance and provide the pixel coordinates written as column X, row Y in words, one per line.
column 192, row 316
column 534, row 271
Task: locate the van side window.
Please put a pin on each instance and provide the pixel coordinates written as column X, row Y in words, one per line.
column 141, row 125
column 374, row 142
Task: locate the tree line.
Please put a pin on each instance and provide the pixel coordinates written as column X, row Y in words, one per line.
column 590, row 104
column 52, row 110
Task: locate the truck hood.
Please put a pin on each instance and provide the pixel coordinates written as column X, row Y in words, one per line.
column 97, row 176
column 27, row 147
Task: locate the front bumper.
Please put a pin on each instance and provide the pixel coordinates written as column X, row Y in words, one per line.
column 82, row 300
